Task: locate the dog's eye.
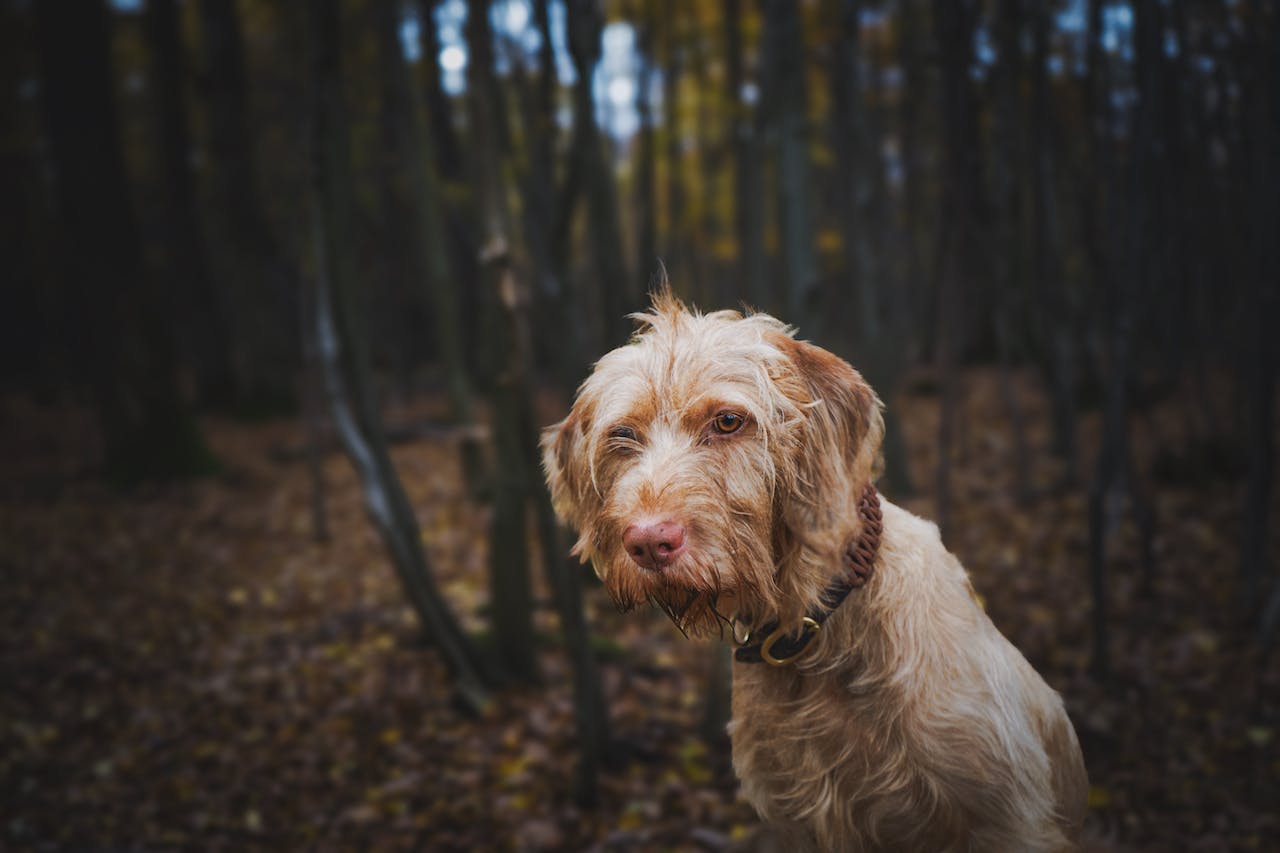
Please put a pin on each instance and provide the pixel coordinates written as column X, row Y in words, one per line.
column 727, row 422
column 622, row 433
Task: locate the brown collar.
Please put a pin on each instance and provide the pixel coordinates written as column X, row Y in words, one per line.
column 777, row 647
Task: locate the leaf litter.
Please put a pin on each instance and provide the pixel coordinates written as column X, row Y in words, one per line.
column 185, row 667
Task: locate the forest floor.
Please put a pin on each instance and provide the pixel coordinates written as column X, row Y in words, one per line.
column 185, row 667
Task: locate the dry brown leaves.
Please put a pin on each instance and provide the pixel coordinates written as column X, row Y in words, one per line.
column 185, row 667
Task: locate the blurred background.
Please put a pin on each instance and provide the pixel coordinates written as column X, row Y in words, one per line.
column 290, row 289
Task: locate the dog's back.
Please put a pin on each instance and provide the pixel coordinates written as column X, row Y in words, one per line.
column 914, row 724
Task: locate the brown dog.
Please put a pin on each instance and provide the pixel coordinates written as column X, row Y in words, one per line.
column 721, row 469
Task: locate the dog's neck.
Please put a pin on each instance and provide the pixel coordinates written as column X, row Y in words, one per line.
column 779, row 644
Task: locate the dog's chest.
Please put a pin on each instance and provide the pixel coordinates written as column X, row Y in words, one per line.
column 796, row 736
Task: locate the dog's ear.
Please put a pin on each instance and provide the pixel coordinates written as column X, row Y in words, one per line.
column 561, row 451
column 843, row 414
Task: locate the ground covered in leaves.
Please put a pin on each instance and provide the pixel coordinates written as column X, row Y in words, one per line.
column 184, row 666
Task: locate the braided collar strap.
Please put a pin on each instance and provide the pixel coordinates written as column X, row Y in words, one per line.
column 778, row 648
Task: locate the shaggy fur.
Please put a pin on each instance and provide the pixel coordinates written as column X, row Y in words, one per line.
column 909, row 723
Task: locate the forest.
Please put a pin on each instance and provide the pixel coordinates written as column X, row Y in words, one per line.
column 291, row 289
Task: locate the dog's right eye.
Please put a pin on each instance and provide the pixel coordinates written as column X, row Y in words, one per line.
column 622, row 433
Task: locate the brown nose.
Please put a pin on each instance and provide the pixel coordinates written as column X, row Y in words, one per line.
column 653, row 544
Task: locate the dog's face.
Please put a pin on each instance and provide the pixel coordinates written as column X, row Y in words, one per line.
column 706, row 459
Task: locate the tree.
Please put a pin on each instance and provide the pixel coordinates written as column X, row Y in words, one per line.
column 960, row 210
column 409, row 146
column 518, row 482
column 787, row 105
column 747, row 194
column 256, row 276
column 874, row 332
column 511, row 597
column 342, row 338
column 187, row 262
column 617, row 293
column 120, row 325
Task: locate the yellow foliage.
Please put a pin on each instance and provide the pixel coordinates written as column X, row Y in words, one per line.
column 1099, row 798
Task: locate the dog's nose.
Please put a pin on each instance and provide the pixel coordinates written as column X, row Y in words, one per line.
column 653, row 544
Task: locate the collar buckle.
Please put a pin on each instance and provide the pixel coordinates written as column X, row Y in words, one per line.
column 810, row 627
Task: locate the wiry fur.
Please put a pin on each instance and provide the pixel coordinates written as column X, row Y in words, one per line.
column 910, row 723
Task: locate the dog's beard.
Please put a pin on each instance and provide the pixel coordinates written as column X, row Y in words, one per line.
column 687, row 594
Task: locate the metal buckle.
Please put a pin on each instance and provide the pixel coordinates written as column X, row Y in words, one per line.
column 810, row 626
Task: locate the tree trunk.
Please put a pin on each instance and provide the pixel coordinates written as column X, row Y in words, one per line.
column 1056, row 319
column 510, row 596
column 646, row 155
column 187, row 263
column 1008, row 152
column 855, row 153
column 676, row 244
column 961, row 211
column 515, row 434
column 260, row 283
column 344, row 349
column 618, row 296
column 747, row 195
column 313, row 403
column 458, row 201
column 1260, row 353
column 786, row 102
column 119, row 324
column 541, row 210
column 410, row 145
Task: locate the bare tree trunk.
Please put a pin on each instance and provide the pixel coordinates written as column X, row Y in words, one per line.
column 511, row 598
column 647, row 155
column 410, row 144
column 515, row 433
column 120, row 327
column 313, row 403
column 618, row 296
column 961, row 211
column 343, row 346
column 854, row 145
column 874, row 336
column 1261, row 354
column 262, row 284
column 787, row 105
column 747, row 195
column 540, row 211
column 457, row 200
column 1010, row 272
column 1114, row 483
column 1056, row 319
column 186, row 256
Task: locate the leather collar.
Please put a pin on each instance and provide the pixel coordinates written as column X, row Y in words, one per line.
column 779, row 648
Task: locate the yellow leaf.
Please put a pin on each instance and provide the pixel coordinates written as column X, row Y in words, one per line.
column 238, row 596
column 511, row 767
column 1259, row 735
column 1099, row 798
column 830, row 240
column 390, row 736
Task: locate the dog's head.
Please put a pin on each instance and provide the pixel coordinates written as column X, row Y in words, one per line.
column 713, row 465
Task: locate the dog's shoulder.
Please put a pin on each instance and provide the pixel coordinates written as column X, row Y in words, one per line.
column 908, row 524
column 912, row 541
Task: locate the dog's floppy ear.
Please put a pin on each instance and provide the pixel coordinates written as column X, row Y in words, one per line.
column 843, row 413
column 561, row 448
